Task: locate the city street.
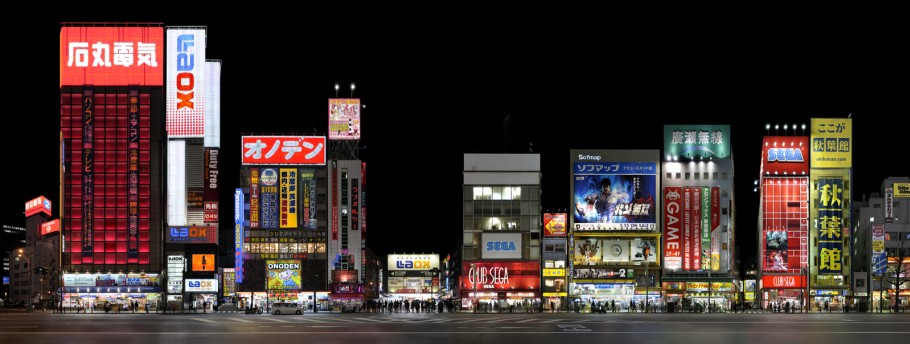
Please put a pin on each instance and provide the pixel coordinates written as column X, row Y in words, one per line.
column 22, row 328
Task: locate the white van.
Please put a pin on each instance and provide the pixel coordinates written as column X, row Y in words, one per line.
column 279, row 308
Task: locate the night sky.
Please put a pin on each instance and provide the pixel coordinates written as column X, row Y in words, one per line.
column 438, row 80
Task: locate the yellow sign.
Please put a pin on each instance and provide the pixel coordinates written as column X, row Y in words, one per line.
column 554, row 272
column 832, row 143
column 878, row 246
column 555, row 294
column 750, row 295
column 902, row 190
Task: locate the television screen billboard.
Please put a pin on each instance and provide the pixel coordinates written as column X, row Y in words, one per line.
column 111, row 55
column 203, row 262
column 615, row 196
column 344, row 119
column 283, row 274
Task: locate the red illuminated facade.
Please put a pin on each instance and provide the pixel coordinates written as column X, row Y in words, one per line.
column 108, row 178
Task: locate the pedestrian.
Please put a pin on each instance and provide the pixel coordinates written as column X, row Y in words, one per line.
column 826, row 307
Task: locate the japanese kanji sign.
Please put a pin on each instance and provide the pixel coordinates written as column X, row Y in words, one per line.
column 829, row 224
column 697, row 141
column 284, row 150
column 111, row 55
column 831, row 142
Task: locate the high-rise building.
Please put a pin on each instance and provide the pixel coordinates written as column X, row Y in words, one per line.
column 500, row 262
column 881, row 261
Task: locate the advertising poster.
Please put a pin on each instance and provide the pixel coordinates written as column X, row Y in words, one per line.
column 643, row 250
column 307, row 185
column 776, row 250
column 687, row 225
column 615, row 196
column 203, row 262
column 254, row 198
column 618, row 250
column 715, row 224
column 588, row 251
column 695, row 228
column 879, row 258
column 288, row 191
column 344, row 119
column 268, row 198
column 706, row 228
column 283, row 274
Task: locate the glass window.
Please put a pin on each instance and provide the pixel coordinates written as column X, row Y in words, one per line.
column 548, row 264
column 478, row 192
column 487, row 193
column 516, row 193
column 560, row 264
column 687, row 175
column 696, row 176
column 669, row 175
column 497, row 193
column 715, row 175
column 507, row 192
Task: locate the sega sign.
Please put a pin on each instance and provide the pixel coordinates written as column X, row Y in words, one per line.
column 192, row 235
column 785, row 155
column 501, row 245
column 413, row 262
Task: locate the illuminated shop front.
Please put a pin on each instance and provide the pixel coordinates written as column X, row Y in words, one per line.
column 85, row 291
column 499, row 285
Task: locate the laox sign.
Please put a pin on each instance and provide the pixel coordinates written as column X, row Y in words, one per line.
column 413, row 264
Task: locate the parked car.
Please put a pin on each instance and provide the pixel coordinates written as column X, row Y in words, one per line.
column 279, row 308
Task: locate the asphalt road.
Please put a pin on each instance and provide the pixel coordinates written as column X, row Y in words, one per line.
column 24, row 328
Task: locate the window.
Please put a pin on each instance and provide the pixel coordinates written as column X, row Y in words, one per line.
column 715, row 175
column 669, row 175
column 687, row 175
column 696, row 176
column 723, row 176
column 705, row 176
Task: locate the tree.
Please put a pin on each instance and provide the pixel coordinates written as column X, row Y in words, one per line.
column 899, row 272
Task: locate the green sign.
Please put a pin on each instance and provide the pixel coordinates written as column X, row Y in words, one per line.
column 697, row 141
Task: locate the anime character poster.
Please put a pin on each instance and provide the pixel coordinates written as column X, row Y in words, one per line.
column 615, row 196
column 283, row 274
column 588, row 251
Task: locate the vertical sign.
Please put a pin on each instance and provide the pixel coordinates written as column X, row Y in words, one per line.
column 268, row 198
column 715, row 223
column 210, row 190
column 687, row 223
column 88, row 166
column 672, row 225
column 879, row 259
column 831, row 147
column 695, row 228
column 706, row 228
column 335, row 201
column 132, row 170
column 238, row 234
column 288, row 192
column 185, row 82
column 307, row 185
column 355, row 204
column 254, row 197
column 830, row 218
column 889, row 205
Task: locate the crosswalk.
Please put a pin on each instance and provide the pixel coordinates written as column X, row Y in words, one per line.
column 379, row 319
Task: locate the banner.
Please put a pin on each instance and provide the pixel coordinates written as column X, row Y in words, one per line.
column 185, row 86
column 830, row 222
column 831, row 142
column 879, row 257
column 687, row 225
column 254, row 197
column 238, row 234
column 132, row 174
column 210, row 189
column 288, row 193
column 715, row 224
column 672, row 228
column 615, row 196
column 706, row 228
column 308, row 193
column 88, row 171
column 695, row 229
column 268, row 198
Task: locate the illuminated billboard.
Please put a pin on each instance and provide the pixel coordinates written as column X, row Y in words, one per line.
column 212, row 136
column 282, row 274
column 111, row 55
column 210, row 192
column 307, row 209
column 413, row 262
column 831, row 142
column 879, row 257
column 785, row 155
column 615, row 196
column 673, row 225
column 201, row 285
column 500, row 276
column 344, row 119
column 785, row 224
column 38, row 205
column 185, row 86
column 238, row 234
column 283, row 150
column 831, row 224
column 192, row 235
column 697, row 141
column 500, row 245
column 554, row 224
column 901, row 190
column 203, row 262
column 288, row 197
column 50, row 227
column 268, row 198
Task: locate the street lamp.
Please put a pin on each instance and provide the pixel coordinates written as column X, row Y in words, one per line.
column 30, row 274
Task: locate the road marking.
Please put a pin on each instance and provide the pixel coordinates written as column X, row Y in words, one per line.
column 275, row 320
column 241, row 320
column 204, row 320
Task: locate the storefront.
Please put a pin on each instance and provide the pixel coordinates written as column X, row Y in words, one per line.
column 501, row 286
column 784, row 291
column 95, row 292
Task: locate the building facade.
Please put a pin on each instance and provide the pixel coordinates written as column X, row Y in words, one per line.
column 500, row 263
